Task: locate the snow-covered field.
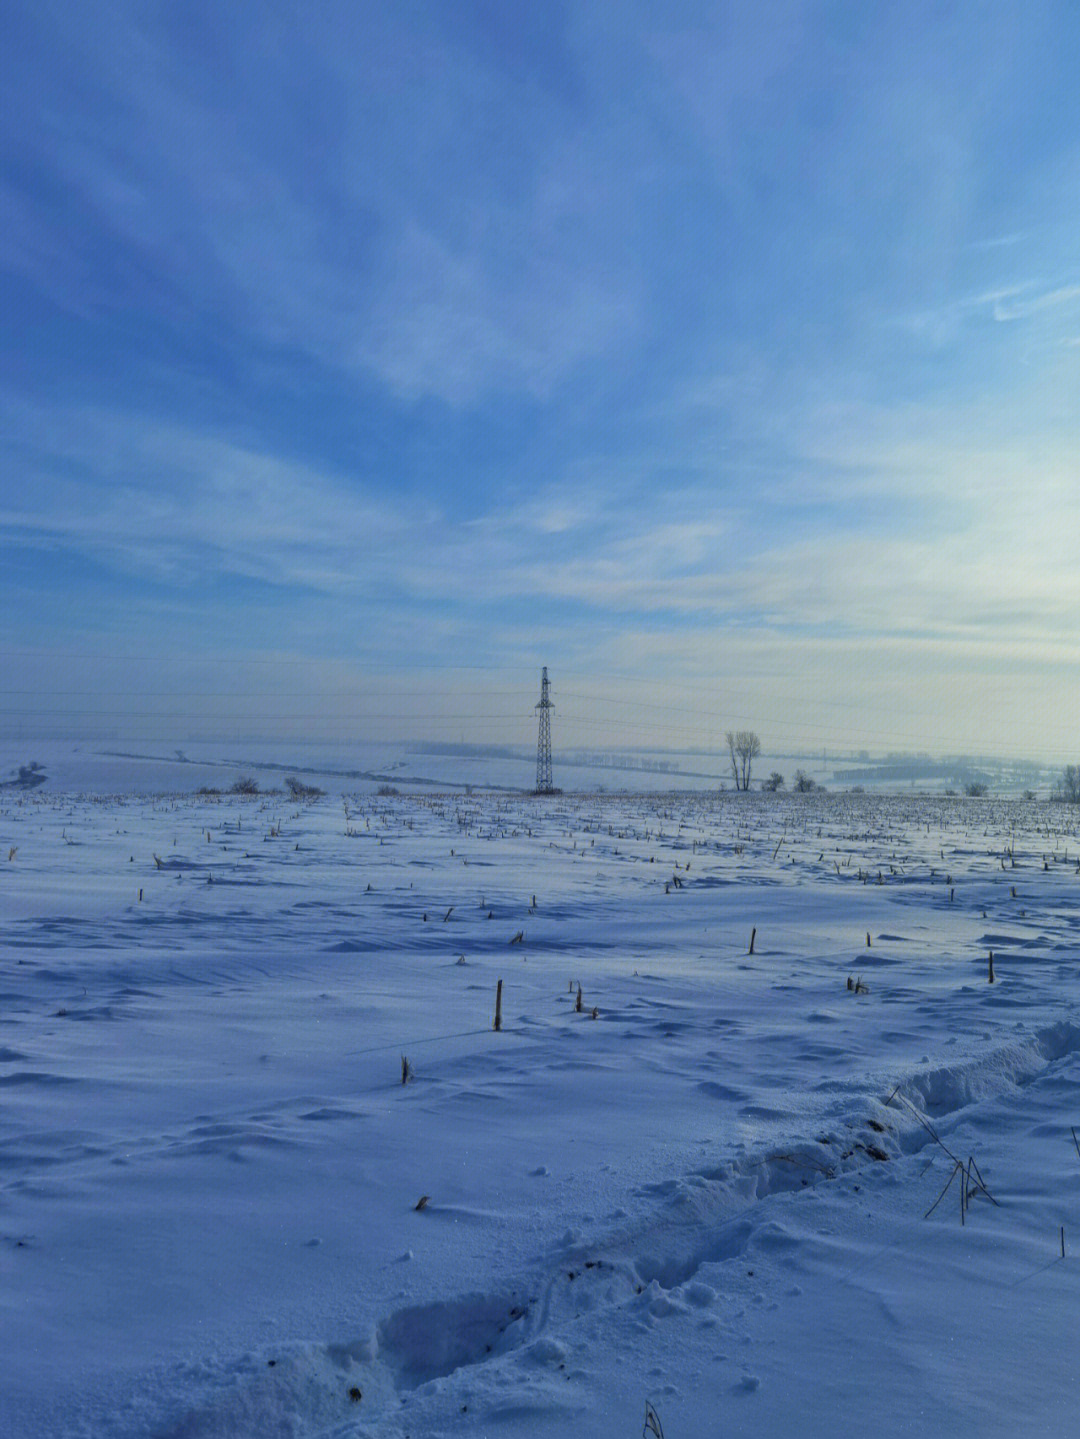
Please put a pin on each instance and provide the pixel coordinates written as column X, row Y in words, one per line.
column 706, row 1188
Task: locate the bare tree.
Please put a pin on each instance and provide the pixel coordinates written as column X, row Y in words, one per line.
column 1067, row 787
column 299, row 790
column 744, row 747
column 774, row 783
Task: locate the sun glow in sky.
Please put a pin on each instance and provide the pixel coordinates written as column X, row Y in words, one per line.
column 358, row 360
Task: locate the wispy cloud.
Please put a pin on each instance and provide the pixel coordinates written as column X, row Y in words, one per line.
column 1013, row 307
column 336, row 187
column 931, row 522
column 157, row 499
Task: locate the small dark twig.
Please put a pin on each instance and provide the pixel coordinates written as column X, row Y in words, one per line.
column 652, row 1423
column 956, row 1167
column 972, row 1166
column 934, row 1135
column 963, row 1194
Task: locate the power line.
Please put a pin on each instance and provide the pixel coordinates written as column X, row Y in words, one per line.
column 706, row 723
column 233, row 660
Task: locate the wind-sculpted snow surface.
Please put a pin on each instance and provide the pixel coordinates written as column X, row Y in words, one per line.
column 757, row 1139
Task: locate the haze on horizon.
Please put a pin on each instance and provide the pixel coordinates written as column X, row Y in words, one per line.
column 358, row 361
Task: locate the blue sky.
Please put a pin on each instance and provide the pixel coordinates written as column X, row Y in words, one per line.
column 357, row 360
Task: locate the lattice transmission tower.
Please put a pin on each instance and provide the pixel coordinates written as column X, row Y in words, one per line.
column 543, row 743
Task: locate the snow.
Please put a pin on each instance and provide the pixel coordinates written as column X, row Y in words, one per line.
column 712, row 1196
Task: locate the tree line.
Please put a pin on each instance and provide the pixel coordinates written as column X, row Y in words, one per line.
column 744, row 748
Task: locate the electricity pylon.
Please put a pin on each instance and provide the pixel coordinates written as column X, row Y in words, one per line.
column 543, row 743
